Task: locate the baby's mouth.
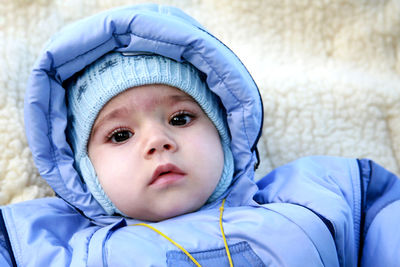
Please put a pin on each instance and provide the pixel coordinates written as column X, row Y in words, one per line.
column 166, row 174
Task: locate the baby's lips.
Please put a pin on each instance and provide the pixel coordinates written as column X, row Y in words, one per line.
column 168, row 168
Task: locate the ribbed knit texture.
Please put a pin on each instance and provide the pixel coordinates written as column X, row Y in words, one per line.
column 113, row 74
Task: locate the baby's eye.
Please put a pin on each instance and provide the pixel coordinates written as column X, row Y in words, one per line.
column 120, row 135
column 181, row 119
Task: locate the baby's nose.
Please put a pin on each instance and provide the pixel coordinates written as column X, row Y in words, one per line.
column 161, row 147
column 159, row 141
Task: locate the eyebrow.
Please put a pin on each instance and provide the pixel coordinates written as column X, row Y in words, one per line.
column 122, row 111
column 181, row 98
column 118, row 112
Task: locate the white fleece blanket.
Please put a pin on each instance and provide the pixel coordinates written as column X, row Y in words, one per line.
column 328, row 72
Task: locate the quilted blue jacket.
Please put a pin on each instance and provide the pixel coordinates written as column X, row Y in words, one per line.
column 316, row 211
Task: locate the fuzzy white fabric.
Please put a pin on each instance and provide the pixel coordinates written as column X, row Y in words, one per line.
column 328, row 72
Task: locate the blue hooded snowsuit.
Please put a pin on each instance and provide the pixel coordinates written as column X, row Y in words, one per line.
column 316, row 211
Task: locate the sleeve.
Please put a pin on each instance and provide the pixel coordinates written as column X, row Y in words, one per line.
column 352, row 197
column 380, row 240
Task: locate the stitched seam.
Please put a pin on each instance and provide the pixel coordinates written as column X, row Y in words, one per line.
column 49, row 133
column 217, row 253
column 88, row 51
column 87, row 246
column 48, row 121
column 356, row 186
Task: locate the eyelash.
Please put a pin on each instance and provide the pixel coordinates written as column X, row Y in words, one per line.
column 113, row 133
column 116, row 131
column 182, row 112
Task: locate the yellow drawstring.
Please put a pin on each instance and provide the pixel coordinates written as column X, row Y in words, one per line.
column 221, row 209
column 170, row 240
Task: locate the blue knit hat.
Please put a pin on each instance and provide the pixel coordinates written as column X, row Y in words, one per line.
column 114, row 73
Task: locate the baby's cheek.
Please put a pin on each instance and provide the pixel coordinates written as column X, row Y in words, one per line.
column 209, row 150
column 108, row 170
column 208, row 135
column 207, row 146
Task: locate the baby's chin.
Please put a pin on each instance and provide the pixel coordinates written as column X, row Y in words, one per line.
column 172, row 211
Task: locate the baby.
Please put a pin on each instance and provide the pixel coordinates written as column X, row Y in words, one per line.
column 146, row 127
column 150, row 139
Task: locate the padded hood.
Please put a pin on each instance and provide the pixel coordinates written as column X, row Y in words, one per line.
column 151, row 28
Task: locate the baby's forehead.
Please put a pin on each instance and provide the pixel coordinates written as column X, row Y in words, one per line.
column 151, row 94
column 146, row 98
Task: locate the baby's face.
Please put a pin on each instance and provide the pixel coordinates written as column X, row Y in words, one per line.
column 156, row 153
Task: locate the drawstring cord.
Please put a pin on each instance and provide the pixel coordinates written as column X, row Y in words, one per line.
column 170, row 240
column 221, row 211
